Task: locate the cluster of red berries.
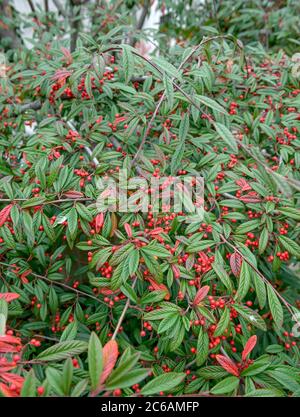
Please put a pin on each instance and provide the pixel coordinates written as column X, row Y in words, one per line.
column 147, row 326
column 35, row 343
column 249, row 242
column 284, row 230
column 283, row 256
column 219, row 303
column 84, row 175
column 106, row 270
column 290, row 343
column 232, row 108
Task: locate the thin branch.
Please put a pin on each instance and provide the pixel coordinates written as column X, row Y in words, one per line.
column 60, row 8
column 31, row 5
column 266, row 281
column 141, row 21
column 61, row 284
column 46, row 6
column 122, row 316
column 75, row 24
column 6, row 31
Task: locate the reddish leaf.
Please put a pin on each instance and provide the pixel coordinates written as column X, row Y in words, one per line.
column 176, row 271
column 4, row 213
column 106, row 291
column 23, row 277
column 243, row 184
column 201, row 294
column 73, row 194
column 10, row 339
column 6, row 367
column 61, row 75
column 110, row 356
column 250, row 198
column 99, row 220
column 228, row 365
column 249, row 346
column 6, row 347
column 236, row 263
column 15, row 379
column 9, row 296
column 156, row 231
column 7, row 392
column 160, row 287
column 128, row 230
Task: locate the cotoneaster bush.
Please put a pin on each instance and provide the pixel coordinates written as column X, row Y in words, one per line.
column 142, row 304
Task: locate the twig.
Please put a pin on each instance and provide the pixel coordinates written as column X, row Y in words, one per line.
column 62, row 200
column 141, row 20
column 46, row 6
column 127, row 304
column 61, row 284
column 31, row 5
column 266, row 281
column 7, row 32
column 74, row 23
column 60, row 9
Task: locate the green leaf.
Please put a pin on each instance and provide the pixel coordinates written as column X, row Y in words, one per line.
column 225, row 386
column 54, row 378
column 291, row 212
column 222, row 274
column 153, row 297
column 72, row 218
column 67, row 376
column 133, row 262
column 244, row 281
column 227, row 136
column 165, row 382
column 123, row 381
column 62, row 350
column 79, row 388
column 260, row 288
column 264, row 392
column 177, row 157
column 211, row 103
column 70, row 332
column 169, row 91
column 202, row 347
column 184, row 127
column 32, row 202
column 290, row 245
column 95, row 360
column 29, row 385
column 223, row 322
column 275, row 306
column 251, row 316
column 128, row 62
column 263, row 240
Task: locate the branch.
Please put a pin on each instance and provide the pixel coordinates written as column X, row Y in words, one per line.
column 31, row 5
column 122, row 316
column 74, row 23
column 141, row 21
column 61, row 284
column 5, row 31
column 60, row 9
column 46, row 6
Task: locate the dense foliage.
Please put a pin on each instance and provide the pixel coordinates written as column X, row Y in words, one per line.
column 147, row 303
